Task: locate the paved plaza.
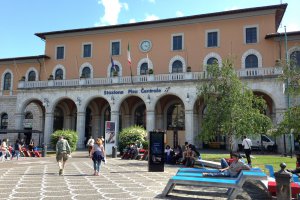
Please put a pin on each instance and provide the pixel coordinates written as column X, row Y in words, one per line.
column 37, row 178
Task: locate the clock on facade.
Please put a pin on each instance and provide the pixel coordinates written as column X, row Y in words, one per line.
column 145, row 45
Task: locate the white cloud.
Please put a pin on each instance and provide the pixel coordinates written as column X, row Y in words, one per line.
column 179, row 14
column 151, row 1
column 132, row 21
column 112, row 9
column 151, row 17
column 232, row 8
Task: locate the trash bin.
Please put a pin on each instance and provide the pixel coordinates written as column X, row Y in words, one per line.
column 114, row 152
column 44, row 150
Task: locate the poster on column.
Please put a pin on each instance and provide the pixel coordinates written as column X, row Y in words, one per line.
column 110, row 132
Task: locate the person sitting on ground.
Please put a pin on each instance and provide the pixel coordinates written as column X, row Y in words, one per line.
column 168, row 154
column 190, row 156
column 230, row 171
column 177, row 154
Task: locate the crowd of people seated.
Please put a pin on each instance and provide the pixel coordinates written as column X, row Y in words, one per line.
column 186, row 155
column 18, row 149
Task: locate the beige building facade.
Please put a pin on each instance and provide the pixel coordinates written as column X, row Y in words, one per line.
column 84, row 78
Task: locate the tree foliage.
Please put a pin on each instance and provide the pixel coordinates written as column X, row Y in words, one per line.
column 70, row 135
column 131, row 135
column 291, row 78
column 231, row 108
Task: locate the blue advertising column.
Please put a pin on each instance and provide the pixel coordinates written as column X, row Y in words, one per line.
column 156, row 151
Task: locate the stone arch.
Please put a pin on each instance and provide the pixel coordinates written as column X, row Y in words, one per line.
column 36, row 73
column 59, row 66
column 249, row 52
column 144, row 60
column 86, row 64
column 116, row 63
column 212, row 55
column 180, row 58
column 291, row 50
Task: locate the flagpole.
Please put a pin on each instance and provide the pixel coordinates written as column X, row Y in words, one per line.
column 129, row 61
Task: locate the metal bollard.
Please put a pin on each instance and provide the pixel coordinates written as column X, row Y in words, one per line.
column 114, row 152
column 44, row 150
column 283, row 183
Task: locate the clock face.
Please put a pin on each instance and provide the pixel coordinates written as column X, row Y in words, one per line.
column 145, row 45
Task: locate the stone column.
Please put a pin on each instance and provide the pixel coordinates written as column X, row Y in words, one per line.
column 81, row 129
column 160, row 122
column 48, row 128
column 19, row 117
column 150, row 120
column 127, row 120
column 96, row 132
column 68, row 122
column 189, row 126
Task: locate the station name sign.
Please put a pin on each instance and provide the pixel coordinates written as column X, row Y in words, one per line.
column 133, row 91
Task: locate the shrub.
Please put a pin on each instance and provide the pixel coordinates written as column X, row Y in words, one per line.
column 130, row 135
column 70, row 135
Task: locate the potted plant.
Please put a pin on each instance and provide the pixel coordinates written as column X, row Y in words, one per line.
column 115, row 73
column 150, row 71
column 50, row 77
column 188, row 69
column 82, row 79
column 188, row 75
column 51, row 81
column 150, row 75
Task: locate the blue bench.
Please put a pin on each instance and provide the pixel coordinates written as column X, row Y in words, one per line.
column 234, row 185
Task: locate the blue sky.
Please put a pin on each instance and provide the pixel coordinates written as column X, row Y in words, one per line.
column 21, row 19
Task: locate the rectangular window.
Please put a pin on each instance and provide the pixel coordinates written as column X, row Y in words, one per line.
column 251, row 35
column 212, row 39
column 177, row 42
column 87, row 50
column 115, row 48
column 60, row 52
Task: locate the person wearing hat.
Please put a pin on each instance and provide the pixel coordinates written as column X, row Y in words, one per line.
column 231, row 170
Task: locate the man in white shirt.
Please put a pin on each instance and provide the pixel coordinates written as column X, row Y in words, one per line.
column 247, row 148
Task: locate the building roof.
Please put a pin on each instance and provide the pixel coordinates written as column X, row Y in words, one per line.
column 25, row 58
column 279, row 35
column 280, row 10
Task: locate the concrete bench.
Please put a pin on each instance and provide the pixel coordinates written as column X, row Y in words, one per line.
column 234, row 185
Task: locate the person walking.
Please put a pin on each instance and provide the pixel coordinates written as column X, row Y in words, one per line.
column 63, row 151
column 247, row 149
column 90, row 143
column 17, row 149
column 97, row 154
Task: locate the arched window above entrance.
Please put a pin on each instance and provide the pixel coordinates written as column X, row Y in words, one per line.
column 86, row 72
column 251, row 61
column 177, row 67
column 176, row 117
column 59, row 74
column 31, row 76
column 114, row 70
column 144, row 69
column 295, row 59
column 4, row 121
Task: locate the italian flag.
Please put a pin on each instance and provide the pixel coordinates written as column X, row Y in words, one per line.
column 128, row 55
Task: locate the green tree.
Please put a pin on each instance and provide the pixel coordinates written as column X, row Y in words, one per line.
column 291, row 78
column 131, row 135
column 232, row 109
column 70, row 135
